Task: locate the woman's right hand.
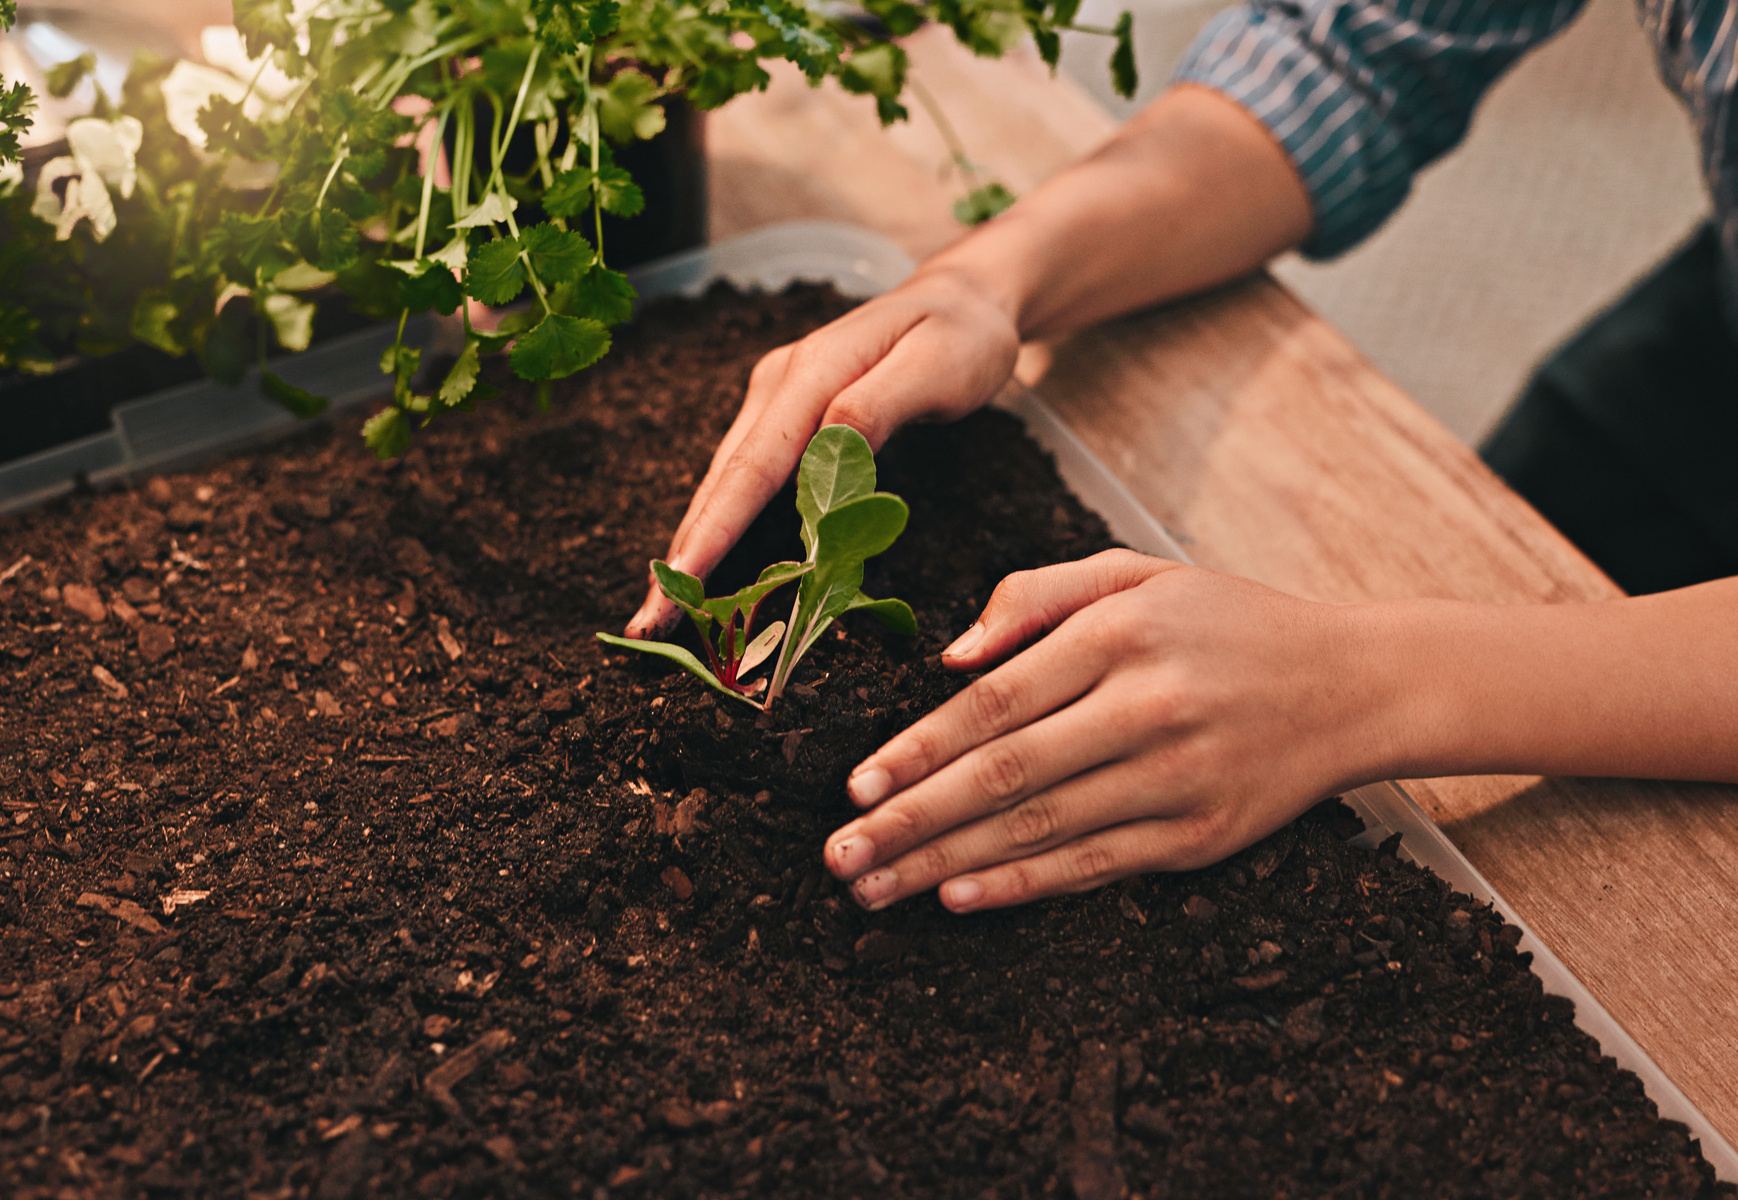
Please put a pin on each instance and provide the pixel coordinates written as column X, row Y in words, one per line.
column 936, row 347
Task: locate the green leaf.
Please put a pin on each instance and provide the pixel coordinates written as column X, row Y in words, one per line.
column 387, row 433
column 292, row 320
column 328, row 239
column 837, row 467
column 744, row 601
column 299, row 401
column 686, row 593
column 900, row 17
column 64, row 77
column 559, row 346
column 983, row 203
column 1064, row 12
column 601, row 294
column 495, row 274
column 876, row 70
column 895, row 614
column 264, row 25
column 557, row 255
column 462, row 388
column 433, row 288
column 627, row 108
column 1123, row 75
column 847, row 535
column 154, row 315
column 677, row 655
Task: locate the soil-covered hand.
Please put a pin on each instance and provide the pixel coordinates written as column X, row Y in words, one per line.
column 1168, row 717
column 935, row 348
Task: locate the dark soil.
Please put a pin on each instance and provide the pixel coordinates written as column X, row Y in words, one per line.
column 463, row 906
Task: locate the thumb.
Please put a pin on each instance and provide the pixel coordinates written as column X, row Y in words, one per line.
column 1028, row 604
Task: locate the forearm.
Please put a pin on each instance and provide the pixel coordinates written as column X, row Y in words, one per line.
column 1643, row 688
column 1192, row 192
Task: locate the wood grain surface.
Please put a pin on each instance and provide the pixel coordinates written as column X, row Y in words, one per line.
column 1270, row 448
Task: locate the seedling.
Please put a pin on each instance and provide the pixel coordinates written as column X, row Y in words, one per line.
column 845, row 523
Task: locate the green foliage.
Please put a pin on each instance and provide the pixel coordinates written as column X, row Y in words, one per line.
column 297, row 400
column 558, row 346
column 982, row 203
column 246, row 203
column 1122, row 60
column 845, row 521
column 64, row 77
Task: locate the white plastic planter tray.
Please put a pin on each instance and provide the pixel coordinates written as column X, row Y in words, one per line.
column 176, row 426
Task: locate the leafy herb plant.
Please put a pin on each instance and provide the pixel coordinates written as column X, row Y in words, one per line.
column 845, row 522
column 362, row 147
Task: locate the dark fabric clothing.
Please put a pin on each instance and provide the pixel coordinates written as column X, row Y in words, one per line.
column 1627, row 438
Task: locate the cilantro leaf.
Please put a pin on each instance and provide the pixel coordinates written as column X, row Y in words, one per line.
column 264, row 25
column 601, row 294
column 387, row 433
column 557, row 255
column 154, row 315
column 983, row 203
column 1123, row 75
column 433, row 288
column 494, row 273
column 627, row 108
column 559, row 346
column 298, row 400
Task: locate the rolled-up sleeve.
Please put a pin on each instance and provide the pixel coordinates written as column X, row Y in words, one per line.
column 1363, row 94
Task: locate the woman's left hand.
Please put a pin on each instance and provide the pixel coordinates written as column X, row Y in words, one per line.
column 1168, row 717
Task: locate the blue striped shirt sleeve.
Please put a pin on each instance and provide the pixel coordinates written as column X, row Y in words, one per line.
column 1363, row 94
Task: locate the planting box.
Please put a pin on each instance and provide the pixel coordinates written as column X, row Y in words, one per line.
column 348, row 862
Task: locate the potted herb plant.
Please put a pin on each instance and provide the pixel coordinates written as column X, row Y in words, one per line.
column 205, row 209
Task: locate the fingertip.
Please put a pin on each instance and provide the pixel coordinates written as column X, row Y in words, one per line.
column 869, row 786
column 961, row 650
column 962, row 894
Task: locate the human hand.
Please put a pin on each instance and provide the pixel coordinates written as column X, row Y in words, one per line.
column 1172, row 717
column 936, row 347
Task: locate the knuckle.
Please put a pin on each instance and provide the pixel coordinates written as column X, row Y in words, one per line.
column 1090, row 864
column 933, row 863
column 918, row 750
column 899, row 827
column 1033, row 822
column 1000, row 770
column 856, row 412
column 992, row 702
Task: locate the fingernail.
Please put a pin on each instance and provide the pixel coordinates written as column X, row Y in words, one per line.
column 874, row 889
column 851, row 855
column 960, row 894
column 869, row 786
column 966, row 642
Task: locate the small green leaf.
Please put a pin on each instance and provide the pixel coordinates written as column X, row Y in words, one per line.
column 154, row 315
column 1064, row 13
column 557, row 255
column 433, row 288
column 627, row 107
column 461, row 388
column 837, row 467
column 684, row 591
column 601, row 294
column 895, row 614
column 298, row 400
column 559, row 346
column 387, row 433
column 677, row 655
column 64, row 77
column 876, row 70
column 1123, row 75
column 983, row 203
column 292, row 320
column 495, row 273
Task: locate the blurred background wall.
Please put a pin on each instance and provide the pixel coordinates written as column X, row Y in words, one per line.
column 1580, row 172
